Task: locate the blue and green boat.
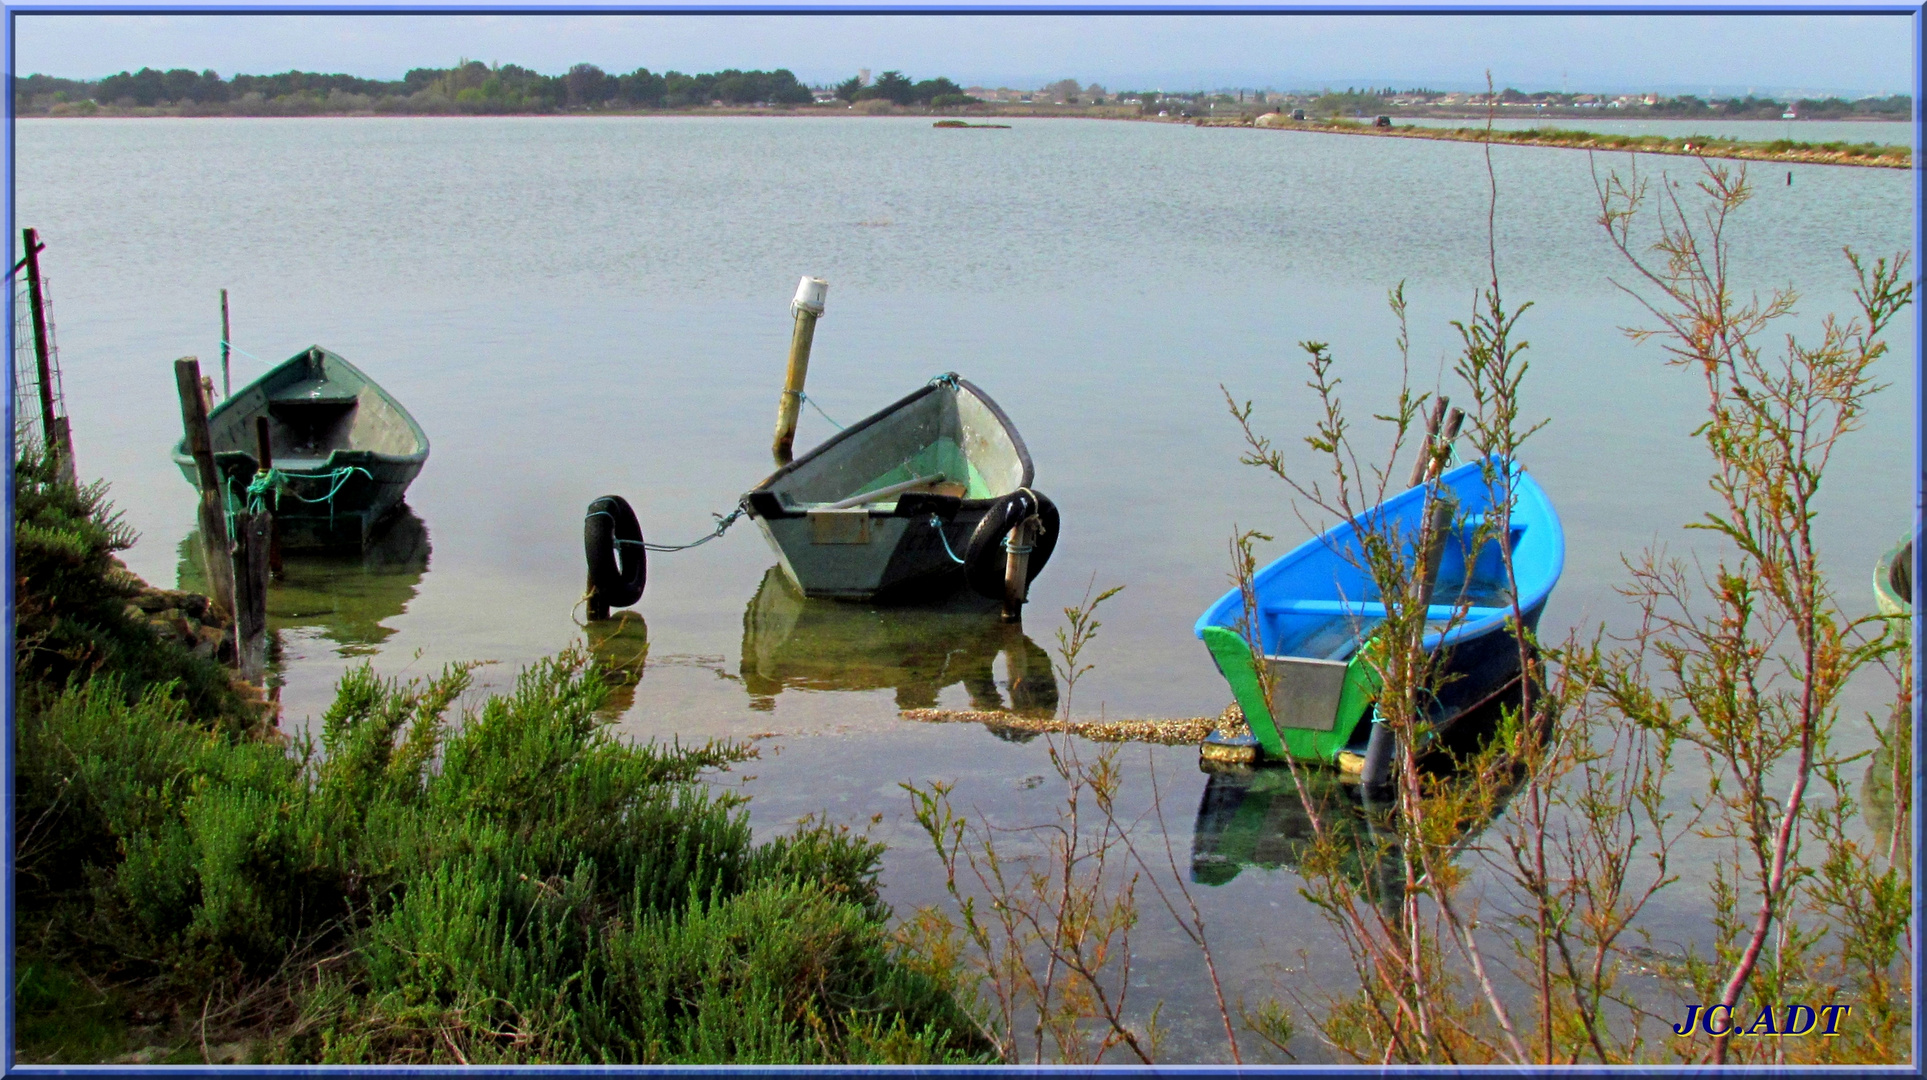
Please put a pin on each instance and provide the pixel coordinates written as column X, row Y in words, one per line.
column 1318, row 609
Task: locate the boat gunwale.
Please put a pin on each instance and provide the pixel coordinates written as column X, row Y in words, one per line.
column 1526, row 490
column 931, row 387
column 1886, row 588
column 183, row 458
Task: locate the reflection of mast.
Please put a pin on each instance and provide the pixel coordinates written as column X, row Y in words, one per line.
column 791, row 642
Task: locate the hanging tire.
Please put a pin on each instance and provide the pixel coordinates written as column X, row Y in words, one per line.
column 618, row 565
column 984, row 554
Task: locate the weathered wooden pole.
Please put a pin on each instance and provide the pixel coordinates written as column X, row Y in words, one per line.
column 251, row 593
column 55, row 436
column 227, row 387
column 264, row 463
column 217, row 552
column 1424, row 462
column 1017, row 546
column 807, row 307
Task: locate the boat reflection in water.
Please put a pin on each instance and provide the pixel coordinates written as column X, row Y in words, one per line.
column 342, row 597
column 794, row 643
column 1256, row 817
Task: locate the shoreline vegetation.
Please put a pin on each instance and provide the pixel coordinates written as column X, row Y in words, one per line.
column 424, row 879
column 472, row 88
column 1790, row 151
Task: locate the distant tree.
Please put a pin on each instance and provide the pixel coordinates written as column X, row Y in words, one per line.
column 952, row 101
column 1063, row 91
column 641, row 88
column 927, row 90
column 143, row 87
column 1748, row 106
column 33, row 86
column 848, row 89
column 1684, row 105
column 680, row 91
column 587, row 84
column 891, row 86
column 1899, row 105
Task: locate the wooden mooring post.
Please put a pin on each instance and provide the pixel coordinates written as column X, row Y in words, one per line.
column 1424, row 462
column 264, row 463
column 251, row 593
column 227, row 387
column 807, row 307
column 217, row 553
column 1017, row 548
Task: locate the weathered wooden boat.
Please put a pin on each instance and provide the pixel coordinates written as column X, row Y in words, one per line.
column 1317, row 608
column 343, row 450
column 1893, row 580
column 911, row 501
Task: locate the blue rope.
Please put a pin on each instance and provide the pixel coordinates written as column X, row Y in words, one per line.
column 244, row 352
column 948, row 378
column 937, row 524
column 819, row 410
column 722, row 526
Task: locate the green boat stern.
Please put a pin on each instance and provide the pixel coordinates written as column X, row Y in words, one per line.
column 1322, row 702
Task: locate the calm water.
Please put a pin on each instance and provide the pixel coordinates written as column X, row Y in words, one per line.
column 579, row 307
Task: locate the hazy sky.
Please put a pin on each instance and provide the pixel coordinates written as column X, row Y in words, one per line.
column 1850, row 54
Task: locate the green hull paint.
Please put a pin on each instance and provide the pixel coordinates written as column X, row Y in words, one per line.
column 1233, row 656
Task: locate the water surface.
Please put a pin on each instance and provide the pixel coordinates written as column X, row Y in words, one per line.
column 574, row 307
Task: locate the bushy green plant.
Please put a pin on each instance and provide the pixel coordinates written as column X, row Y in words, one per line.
column 71, row 596
column 511, row 884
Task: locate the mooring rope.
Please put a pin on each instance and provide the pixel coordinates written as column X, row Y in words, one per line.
column 254, row 500
column 246, row 353
column 819, row 409
column 937, row 524
column 948, row 378
column 723, row 522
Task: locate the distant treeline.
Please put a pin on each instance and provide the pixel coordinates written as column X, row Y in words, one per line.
column 475, row 87
column 471, row 86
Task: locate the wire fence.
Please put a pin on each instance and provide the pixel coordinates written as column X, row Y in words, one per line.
column 28, row 431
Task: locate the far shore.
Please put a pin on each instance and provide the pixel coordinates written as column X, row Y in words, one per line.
column 1779, row 151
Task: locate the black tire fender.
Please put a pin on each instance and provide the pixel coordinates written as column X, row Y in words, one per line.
column 984, row 554
column 612, row 543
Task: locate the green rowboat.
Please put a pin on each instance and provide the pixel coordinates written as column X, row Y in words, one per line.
column 343, row 450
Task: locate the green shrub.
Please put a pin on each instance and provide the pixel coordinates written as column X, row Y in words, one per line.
column 514, row 884
column 70, row 603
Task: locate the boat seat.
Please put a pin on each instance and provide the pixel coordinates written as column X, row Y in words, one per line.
column 292, row 463
column 1367, row 616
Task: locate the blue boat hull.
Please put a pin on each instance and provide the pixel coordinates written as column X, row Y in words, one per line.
column 1316, row 610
